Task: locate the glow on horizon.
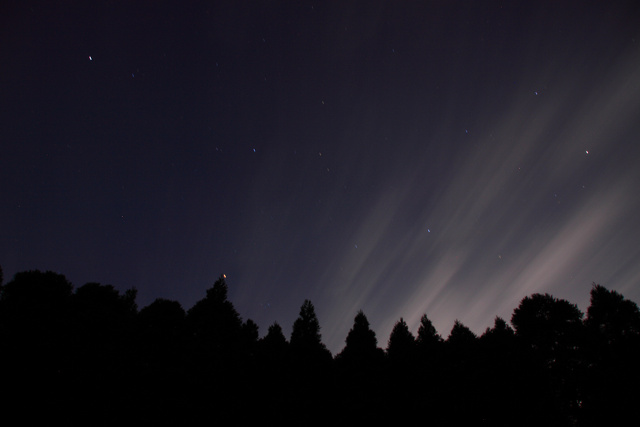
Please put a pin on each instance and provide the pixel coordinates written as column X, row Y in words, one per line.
column 489, row 209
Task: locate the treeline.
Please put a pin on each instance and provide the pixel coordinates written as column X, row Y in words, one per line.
column 89, row 356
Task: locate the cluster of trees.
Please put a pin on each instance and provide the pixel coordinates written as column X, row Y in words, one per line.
column 90, row 356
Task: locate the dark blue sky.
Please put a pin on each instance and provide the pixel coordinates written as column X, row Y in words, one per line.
column 401, row 158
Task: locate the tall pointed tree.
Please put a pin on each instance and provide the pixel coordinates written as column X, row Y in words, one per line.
column 306, row 340
column 428, row 338
column 274, row 345
column 306, row 328
column 361, row 341
column 401, row 344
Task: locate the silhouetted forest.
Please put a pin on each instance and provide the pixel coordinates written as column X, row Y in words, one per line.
column 90, row 356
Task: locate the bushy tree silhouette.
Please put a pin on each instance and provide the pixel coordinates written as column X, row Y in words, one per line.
column 609, row 391
column 612, row 317
column 32, row 291
column 105, row 319
column 34, row 316
column 164, row 363
column 163, row 318
column 35, row 340
column 551, row 331
column 547, row 324
column 105, row 348
column 163, row 335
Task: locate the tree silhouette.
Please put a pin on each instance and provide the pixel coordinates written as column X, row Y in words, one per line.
column 162, row 326
column 250, row 332
column 401, row 344
column 497, row 368
column 357, row 367
column 428, row 339
column 105, row 347
column 611, row 316
column 609, row 390
column 500, row 329
column 214, row 320
column 34, row 343
column 551, row 331
column 34, row 290
column 400, row 366
column 461, row 337
column 274, row 345
column 461, row 383
column 105, row 319
column 499, row 338
column 361, row 343
column 249, row 340
column 163, row 363
column 428, row 371
column 460, row 346
column 273, row 350
column 215, row 370
column 551, row 327
column 34, row 314
column 273, row 385
column 305, row 335
column 93, row 347
column 310, row 364
column 275, row 337
column 163, row 318
column 103, row 299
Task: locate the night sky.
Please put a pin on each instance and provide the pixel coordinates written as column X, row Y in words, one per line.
column 438, row 157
